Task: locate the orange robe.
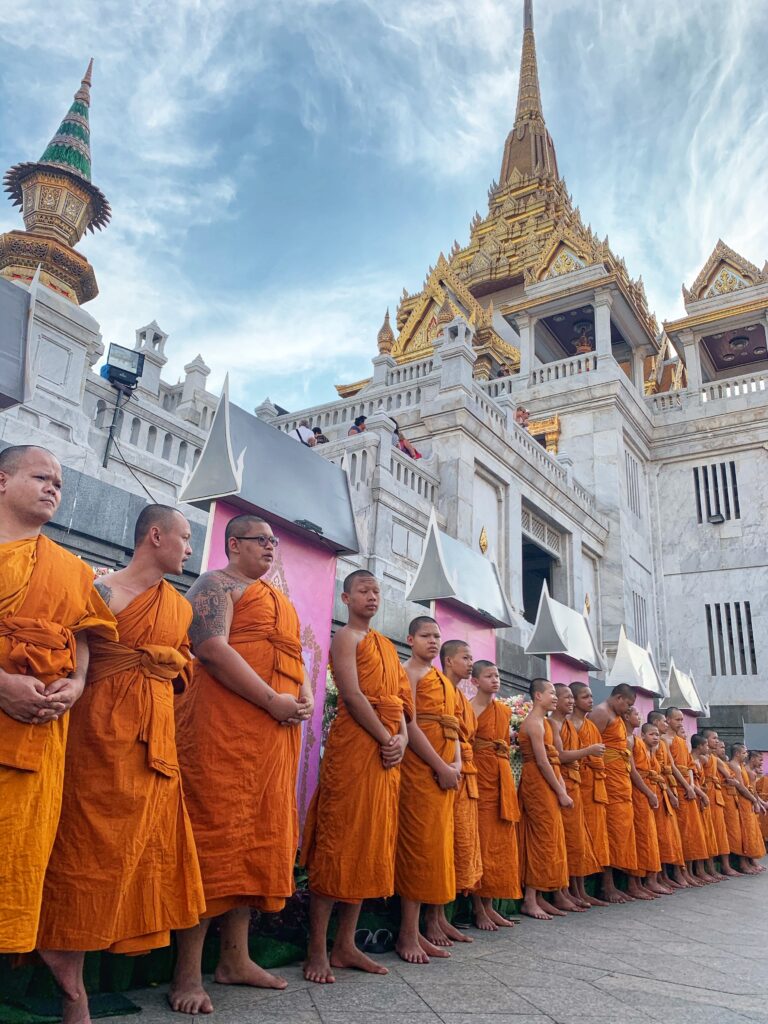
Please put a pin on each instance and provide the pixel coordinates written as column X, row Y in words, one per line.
column 761, row 788
column 667, row 832
column 581, row 857
column 124, row 871
column 498, row 811
column 239, row 765
column 424, row 864
column 675, row 849
column 646, row 836
column 754, row 846
column 351, row 829
column 704, row 782
column 542, row 836
column 466, row 831
column 732, row 816
column 717, row 804
column 46, row 598
column 618, row 785
column 688, row 812
column 594, row 796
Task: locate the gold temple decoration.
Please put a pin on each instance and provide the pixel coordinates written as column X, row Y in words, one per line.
column 587, row 605
column 548, row 429
column 483, row 540
column 725, row 271
column 385, row 339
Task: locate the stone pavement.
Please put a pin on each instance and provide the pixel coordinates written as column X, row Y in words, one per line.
column 696, row 957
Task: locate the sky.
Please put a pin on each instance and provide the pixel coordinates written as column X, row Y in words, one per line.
column 279, row 170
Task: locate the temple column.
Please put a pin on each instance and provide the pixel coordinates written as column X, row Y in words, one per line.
column 692, row 360
column 602, row 305
column 381, row 367
column 526, row 326
column 638, row 368
column 457, row 357
column 382, row 424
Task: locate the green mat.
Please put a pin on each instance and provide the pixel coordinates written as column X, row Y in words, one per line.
column 45, row 1009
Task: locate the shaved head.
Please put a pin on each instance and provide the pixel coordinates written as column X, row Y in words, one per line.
column 480, row 666
column 697, row 741
column 421, row 620
column 358, row 574
column 654, row 717
column 649, row 727
column 162, row 516
column 238, row 526
column 669, row 712
column 578, row 688
column 538, row 686
column 450, row 649
column 13, row 457
column 624, row 690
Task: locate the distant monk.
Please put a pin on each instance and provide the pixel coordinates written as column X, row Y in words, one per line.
column 706, row 793
column 644, row 882
column 761, row 789
column 592, row 769
column 717, row 798
column 49, row 611
column 350, row 833
column 239, row 741
column 749, row 809
column 618, row 783
column 430, row 776
column 456, row 662
column 124, row 870
column 731, row 811
column 581, row 857
column 677, row 873
column 754, row 766
column 688, row 812
column 498, row 809
column 542, row 795
column 667, row 832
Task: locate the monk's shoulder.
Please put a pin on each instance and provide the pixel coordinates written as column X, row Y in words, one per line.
column 68, row 563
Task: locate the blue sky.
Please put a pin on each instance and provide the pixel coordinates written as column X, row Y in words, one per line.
column 280, row 169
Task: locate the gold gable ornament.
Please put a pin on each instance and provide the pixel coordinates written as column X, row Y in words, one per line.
column 483, row 540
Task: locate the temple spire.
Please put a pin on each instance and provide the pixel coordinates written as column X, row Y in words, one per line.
column 529, row 148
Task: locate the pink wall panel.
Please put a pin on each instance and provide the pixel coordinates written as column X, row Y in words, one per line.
column 456, row 624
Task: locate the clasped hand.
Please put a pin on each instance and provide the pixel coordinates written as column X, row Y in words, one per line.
column 28, row 700
column 393, row 751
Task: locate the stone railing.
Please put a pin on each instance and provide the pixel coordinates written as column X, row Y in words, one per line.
column 667, row 401
column 415, row 476
column 500, row 386
column 493, row 413
column 408, row 372
column 358, row 457
column 744, row 385
column 564, row 368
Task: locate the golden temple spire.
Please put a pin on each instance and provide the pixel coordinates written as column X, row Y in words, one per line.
column 529, row 148
column 385, row 339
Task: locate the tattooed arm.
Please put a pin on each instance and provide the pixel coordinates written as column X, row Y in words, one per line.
column 104, row 592
column 213, row 597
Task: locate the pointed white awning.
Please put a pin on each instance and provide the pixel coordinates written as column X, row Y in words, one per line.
column 683, row 693
column 634, row 665
column 564, row 631
column 451, row 571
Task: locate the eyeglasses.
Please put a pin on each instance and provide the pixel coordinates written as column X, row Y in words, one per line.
column 261, row 541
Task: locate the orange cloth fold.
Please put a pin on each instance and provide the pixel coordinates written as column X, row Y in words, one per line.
column 688, row 812
column 239, row 765
column 424, row 861
column 761, row 788
column 542, row 836
column 667, row 831
column 731, row 814
column 754, row 844
column 46, row 598
column 124, row 871
column 351, row 828
column 581, row 857
column 646, row 835
column 707, row 820
column 620, row 816
column 466, row 830
column 594, row 796
column 498, row 811
column 717, row 802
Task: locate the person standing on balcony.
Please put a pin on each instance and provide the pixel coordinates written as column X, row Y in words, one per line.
column 358, row 427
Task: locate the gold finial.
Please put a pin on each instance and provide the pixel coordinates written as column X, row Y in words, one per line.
column 84, row 92
column 587, row 605
column 483, row 540
column 446, row 313
column 385, row 339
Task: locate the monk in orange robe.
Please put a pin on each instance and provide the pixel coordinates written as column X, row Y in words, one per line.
column 429, row 779
column 351, row 829
column 48, row 610
column 675, row 872
column 668, row 835
column 715, row 791
column 645, row 801
column 239, row 742
column 581, row 856
column 749, row 807
column 688, row 812
column 706, row 793
column 498, row 810
column 124, row 871
column 761, row 789
column 594, row 796
column 618, row 783
column 754, row 766
column 731, row 810
column 542, row 796
column 456, row 662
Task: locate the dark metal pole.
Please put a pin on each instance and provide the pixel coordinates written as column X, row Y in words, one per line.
column 112, row 425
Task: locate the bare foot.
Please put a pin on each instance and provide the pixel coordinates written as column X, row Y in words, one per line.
column 593, row 901
column 614, row 895
column 355, row 960
column 638, row 893
column 548, row 907
column 411, row 952
column 318, row 969
column 248, row 973
column 656, row 887
column 75, row 1011
column 498, row 919
column 189, row 998
column 435, row 934
column 562, row 902
column 532, row 909
column 432, row 950
column 453, row 933
column 484, row 923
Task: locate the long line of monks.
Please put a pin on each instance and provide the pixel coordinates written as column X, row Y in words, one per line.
column 145, row 791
